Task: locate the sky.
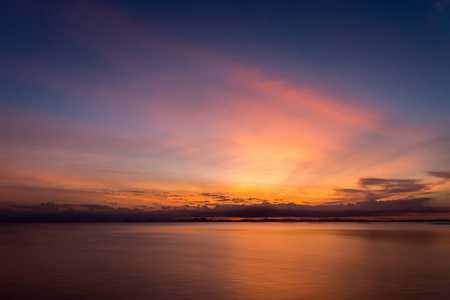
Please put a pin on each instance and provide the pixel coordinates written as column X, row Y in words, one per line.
column 226, row 109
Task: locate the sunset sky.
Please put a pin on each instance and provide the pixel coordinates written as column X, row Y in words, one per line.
column 218, row 107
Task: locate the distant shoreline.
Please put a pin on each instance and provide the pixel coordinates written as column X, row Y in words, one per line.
column 202, row 220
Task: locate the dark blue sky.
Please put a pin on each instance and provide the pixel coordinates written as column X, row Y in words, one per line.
column 391, row 52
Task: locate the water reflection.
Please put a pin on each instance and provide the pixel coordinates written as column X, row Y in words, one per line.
column 225, row 261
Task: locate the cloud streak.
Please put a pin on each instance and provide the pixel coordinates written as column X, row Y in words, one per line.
column 394, row 208
column 377, row 197
column 440, row 174
column 373, row 189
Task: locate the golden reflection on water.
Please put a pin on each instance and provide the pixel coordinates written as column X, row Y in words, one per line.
column 225, row 261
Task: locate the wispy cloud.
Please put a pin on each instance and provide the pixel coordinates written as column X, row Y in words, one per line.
column 372, row 189
column 440, row 174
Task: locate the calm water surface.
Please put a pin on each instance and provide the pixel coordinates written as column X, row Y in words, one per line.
column 225, row 261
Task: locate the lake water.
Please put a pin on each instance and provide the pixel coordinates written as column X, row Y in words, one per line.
column 225, row 261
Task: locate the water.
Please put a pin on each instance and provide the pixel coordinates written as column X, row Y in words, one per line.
column 225, row 261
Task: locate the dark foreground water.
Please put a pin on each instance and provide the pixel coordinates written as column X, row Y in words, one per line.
column 225, row 261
